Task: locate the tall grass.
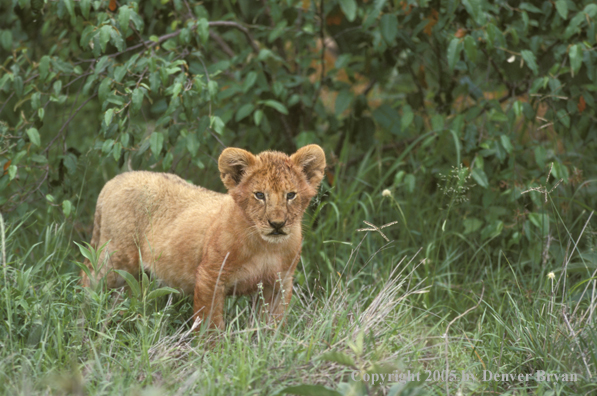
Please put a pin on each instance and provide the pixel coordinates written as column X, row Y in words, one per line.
column 432, row 298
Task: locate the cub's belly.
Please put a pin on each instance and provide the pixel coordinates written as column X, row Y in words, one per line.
column 172, row 275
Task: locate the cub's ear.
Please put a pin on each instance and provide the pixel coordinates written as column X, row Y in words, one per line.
column 311, row 159
column 233, row 164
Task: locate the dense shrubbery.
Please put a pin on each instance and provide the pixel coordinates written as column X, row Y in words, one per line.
column 504, row 87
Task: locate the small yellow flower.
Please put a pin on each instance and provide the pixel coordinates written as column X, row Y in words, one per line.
column 386, row 193
column 551, row 275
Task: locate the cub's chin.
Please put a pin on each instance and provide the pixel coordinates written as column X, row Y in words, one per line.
column 275, row 238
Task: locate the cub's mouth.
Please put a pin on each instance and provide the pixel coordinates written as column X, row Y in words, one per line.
column 275, row 236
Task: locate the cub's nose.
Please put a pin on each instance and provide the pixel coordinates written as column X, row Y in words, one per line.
column 277, row 225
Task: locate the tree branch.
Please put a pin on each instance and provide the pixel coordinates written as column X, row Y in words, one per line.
column 220, row 41
column 241, row 28
column 68, row 122
column 149, row 43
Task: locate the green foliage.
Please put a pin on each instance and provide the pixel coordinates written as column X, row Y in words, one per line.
column 505, row 87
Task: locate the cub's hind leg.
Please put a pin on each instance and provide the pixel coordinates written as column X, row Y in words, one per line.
column 113, row 257
column 95, row 238
column 117, row 254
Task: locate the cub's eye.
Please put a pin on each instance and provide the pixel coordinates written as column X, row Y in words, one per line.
column 290, row 195
column 260, row 196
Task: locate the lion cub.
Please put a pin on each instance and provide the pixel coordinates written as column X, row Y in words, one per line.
column 207, row 244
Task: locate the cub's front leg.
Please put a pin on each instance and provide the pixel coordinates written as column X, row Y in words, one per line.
column 209, row 295
column 277, row 296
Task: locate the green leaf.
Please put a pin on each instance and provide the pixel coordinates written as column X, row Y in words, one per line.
column 12, row 172
column 104, row 89
column 506, row 143
column 590, row 10
column 244, row 111
column 473, row 7
column 573, row 26
column 101, row 65
column 560, row 171
column 310, row 390
column 40, row 159
column 192, row 144
column 212, row 88
column 67, row 207
column 249, row 81
column 85, row 252
column 124, row 17
column 108, row 116
column 124, row 139
column 407, row 117
column 374, row 13
column 105, row 32
column 389, row 28
column 17, row 84
column 131, row 281
column 277, row 31
column 541, row 221
column 453, row 52
column 57, row 86
column 116, row 39
column 492, row 230
column 530, row 8
column 470, row 47
column 156, row 141
column 480, row 177
column 343, row 101
column 70, row 7
column 162, row 291
column 70, row 162
column 349, row 8
column 167, row 162
column 517, row 106
column 387, row 118
column 44, row 66
column 136, row 100
column 471, row 225
column 562, row 7
column 119, row 73
column 203, row 30
column 117, row 151
column 6, row 39
column 258, row 116
column 576, row 55
column 85, row 5
column 409, row 182
column 34, row 136
column 563, row 117
column 338, row 357
column 217, row 124
column 176, row 89
column 107, row 146
column 275, row 105
column 529, row 58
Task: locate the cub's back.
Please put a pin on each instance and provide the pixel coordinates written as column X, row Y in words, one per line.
column 133, row 201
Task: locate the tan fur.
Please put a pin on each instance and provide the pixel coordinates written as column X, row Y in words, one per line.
column 208, row 244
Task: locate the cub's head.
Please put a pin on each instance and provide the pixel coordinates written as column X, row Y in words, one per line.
column 272, row 188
